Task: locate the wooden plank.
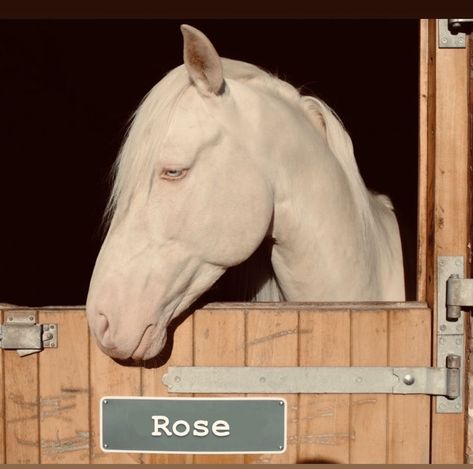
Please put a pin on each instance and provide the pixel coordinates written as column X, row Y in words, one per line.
column 272, row 340
column 409, row 416
column 219, row 340
column 451, row 210
column 109, row 378
column 368, row 416
column 181, row 355
column 324, row 431
column 64, row 391
column 2, row 403
column 425, row 219
column 469, row 440
column 21, row 408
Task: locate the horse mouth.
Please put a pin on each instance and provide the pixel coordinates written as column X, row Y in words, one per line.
column 150, row 344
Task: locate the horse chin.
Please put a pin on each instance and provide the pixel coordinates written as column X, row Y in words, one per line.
column 151, row 344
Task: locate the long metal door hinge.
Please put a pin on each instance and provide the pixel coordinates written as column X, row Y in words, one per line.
column 336, row 379
column 21, row 333
column 452, row 32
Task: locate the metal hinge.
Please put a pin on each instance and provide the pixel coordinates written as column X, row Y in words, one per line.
column 445, row 381
column 21, row 333
column 452, row 32
column 337, row 379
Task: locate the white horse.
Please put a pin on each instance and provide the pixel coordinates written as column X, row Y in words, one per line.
column 221, row 159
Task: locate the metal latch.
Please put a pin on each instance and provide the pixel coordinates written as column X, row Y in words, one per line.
column 452, row 32
column 21, row 333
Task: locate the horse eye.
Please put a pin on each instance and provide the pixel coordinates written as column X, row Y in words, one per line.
column 173, row 174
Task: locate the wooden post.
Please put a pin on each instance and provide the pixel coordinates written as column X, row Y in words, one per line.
column 448, row 208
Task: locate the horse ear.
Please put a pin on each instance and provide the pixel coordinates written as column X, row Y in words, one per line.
column 202, row 62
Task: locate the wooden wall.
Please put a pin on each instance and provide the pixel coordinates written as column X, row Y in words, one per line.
column 51, row 400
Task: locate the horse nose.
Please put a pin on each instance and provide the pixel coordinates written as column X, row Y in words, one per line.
column 102, row 329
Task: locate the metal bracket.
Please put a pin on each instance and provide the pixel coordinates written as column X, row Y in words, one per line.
column 21, row 333
column 452, row 32
column 452, row 293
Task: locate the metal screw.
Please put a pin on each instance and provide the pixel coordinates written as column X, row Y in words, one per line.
column 177, row 379
column 53, row 344
column 409, row 379
column 457, row 262
column 262, row 379
column 281, row 446
column 458, row 341
column 105, row 445
column 281, row 402
column 105, row 401
column 52, row 326
column 443, row 327
column 31, row 318
column 459, row 327
column 359, row 379
column 442, row 340
column 442, row 262
column 443, row 406
column 444, row 41
column 10, row 318
column 457, row 406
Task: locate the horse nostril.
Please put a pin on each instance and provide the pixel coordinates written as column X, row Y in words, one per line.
column 102, row 326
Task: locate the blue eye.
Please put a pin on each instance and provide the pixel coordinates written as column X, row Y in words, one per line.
column 173, row 174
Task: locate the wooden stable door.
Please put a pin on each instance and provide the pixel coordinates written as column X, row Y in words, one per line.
column 51, row 400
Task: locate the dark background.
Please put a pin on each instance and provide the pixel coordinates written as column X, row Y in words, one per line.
column 68, row 88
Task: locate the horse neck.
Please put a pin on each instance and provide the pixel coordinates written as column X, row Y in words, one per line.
column 323, row 228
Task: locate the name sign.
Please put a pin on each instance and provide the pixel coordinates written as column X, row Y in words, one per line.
column 193, row 425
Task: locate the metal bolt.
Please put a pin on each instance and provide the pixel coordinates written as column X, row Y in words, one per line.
column 177, row 379
column 31, row 318
column 443, row 327
column 444, row 41
column 262, row 379
column 52, row 326
column 453, row 361
column 53, row 344
column 105, row 401
column 409, row 379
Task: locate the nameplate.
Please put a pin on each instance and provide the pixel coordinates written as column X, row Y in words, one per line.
column 193, row 425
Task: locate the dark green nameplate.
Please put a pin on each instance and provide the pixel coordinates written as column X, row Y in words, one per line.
column 193, row 425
